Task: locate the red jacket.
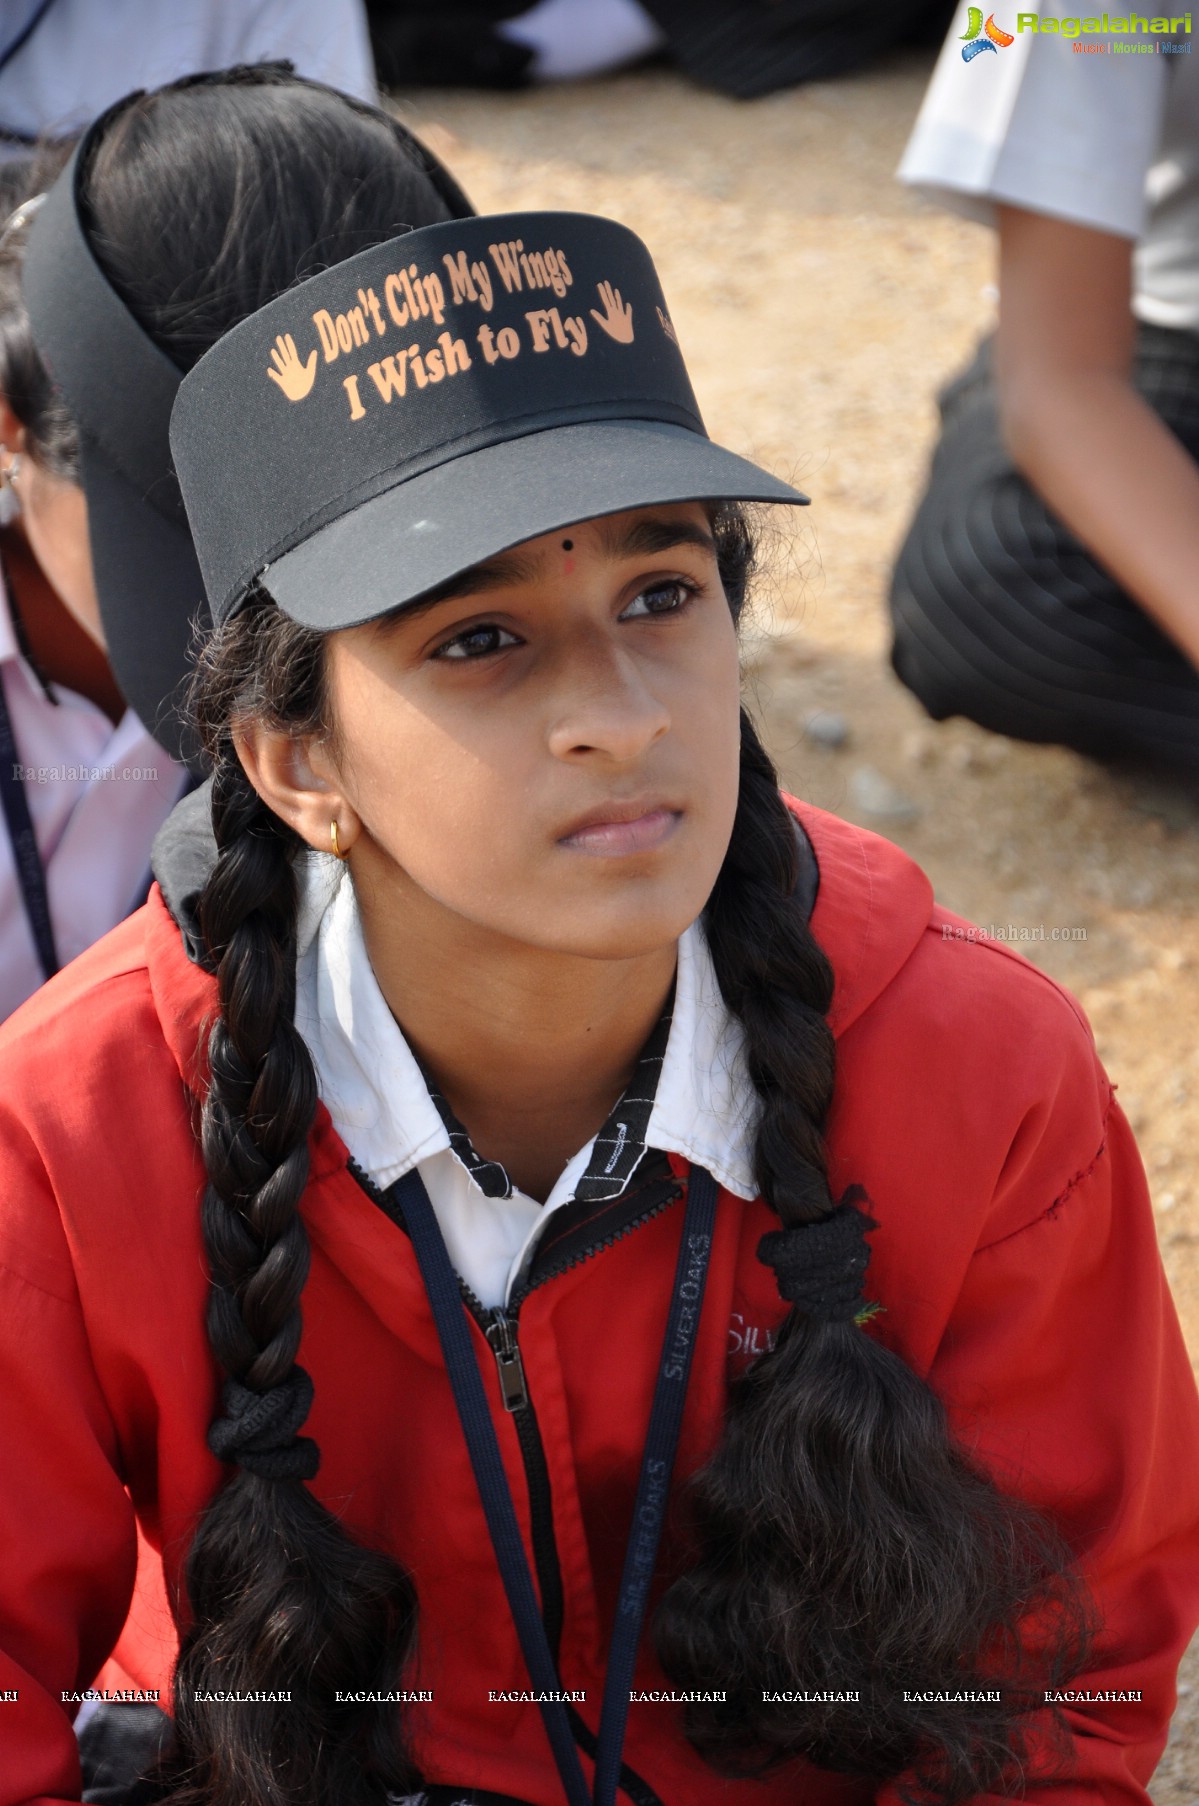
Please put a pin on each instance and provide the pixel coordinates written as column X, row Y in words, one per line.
column 1015, row 1258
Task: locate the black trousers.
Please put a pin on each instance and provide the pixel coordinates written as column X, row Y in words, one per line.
column 745, row 48
column 1000, row 614
column 117, row 1746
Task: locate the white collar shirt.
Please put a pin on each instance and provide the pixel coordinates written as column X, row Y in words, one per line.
column 97, row 795
column 704, row 1107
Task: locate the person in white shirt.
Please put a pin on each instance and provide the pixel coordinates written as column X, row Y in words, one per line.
column 63, row 62
column 1047, row 586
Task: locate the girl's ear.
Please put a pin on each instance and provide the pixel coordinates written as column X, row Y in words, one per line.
column 12, row 441
column 12, row 433
column 297, row 778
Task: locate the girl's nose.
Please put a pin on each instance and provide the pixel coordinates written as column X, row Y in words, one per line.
column 604, row 704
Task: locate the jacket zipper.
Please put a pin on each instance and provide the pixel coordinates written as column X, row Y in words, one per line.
column 501, row 1333
column 499, row 1326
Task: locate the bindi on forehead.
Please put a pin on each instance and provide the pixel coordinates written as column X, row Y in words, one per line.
column 568, row 545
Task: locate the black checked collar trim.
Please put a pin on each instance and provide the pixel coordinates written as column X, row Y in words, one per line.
column 490, row 1177
column 618, row 1147
column 621, row 1142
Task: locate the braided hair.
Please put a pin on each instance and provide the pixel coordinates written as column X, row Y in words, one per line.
column 202, row 201
column 843, row 1541
column 280, row 1598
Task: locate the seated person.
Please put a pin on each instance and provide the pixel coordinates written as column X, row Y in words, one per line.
column 1047, row 585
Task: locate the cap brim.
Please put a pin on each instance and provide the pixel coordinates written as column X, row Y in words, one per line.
column 151, row 594
column 420, row 533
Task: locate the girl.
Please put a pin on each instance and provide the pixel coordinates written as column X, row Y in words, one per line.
column 432, row 1223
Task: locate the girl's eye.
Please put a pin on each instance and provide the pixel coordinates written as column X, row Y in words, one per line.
column 666, row 598
column 477, row 642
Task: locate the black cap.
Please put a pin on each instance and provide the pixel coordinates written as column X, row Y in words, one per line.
column 430, row 403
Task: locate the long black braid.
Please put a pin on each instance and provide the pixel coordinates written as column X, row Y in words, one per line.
column 281, row 1600
column 844, row 1542
column 203, row 201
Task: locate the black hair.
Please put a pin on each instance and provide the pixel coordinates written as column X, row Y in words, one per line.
column 279, row 1597
column 840, row 1540
column 202, row 201
column 155, row 215
column 50, row 435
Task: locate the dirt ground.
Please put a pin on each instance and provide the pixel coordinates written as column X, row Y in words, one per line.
column 820, row 306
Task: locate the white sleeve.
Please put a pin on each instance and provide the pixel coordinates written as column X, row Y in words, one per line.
column 83, row 56
column 1042, row 126
column 327, row 40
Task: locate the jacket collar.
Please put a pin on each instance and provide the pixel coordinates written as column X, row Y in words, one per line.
column 872, row 906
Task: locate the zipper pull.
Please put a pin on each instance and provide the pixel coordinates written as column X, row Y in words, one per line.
column 501, row 1334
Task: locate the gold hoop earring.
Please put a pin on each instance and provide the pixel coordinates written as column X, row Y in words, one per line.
column 337, row 852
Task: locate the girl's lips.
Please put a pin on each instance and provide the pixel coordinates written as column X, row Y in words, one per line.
column 641, row 835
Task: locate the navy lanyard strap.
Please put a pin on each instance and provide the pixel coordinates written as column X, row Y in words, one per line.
column 27, row 860
column 666, row 1413
column 449, row 1315
column 653, row 1485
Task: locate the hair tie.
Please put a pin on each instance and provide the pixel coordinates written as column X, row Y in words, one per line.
column 258, row 1430
column 820, row 1266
